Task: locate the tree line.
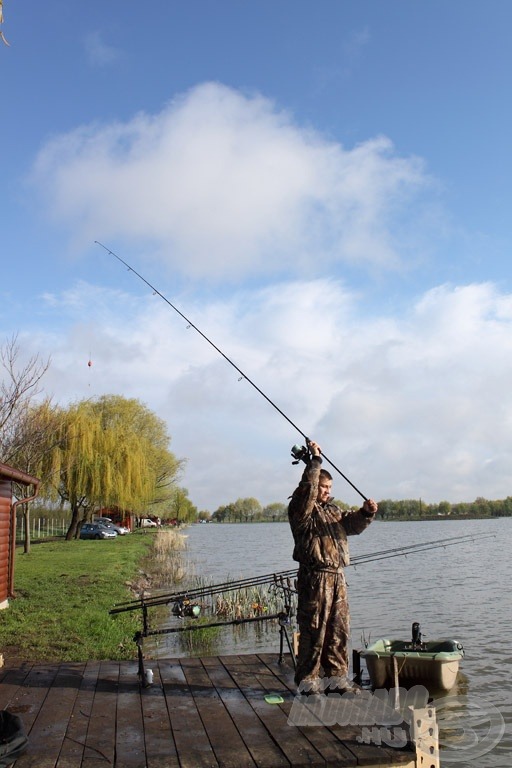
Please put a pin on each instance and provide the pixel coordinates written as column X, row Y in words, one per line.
column 250, row 510
column 93, row 454
column 416, row 509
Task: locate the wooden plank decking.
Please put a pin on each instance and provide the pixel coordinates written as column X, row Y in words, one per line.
column 199, row 713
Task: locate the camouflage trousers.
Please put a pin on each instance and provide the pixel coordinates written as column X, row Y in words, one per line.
column 324, row 625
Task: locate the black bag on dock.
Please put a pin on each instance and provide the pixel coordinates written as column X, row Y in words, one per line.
column 13, row 739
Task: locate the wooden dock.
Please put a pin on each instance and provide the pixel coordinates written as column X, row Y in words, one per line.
column 198, row 713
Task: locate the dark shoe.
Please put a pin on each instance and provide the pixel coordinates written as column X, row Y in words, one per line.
column 353, row 689
column 309, row 688
column 341, row 686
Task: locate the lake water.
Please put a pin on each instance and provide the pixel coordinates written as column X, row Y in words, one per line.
column 461, row 592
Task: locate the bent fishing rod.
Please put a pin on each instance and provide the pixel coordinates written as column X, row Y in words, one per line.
column 243, row 375
column 287, row 576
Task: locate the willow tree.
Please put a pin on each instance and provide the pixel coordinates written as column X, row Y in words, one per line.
column 112, row 452
column 180, row 508
column 138, row 420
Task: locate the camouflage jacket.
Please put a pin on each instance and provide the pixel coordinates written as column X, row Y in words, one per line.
column 320, row 530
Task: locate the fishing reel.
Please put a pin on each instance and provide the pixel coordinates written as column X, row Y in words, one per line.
column 186, row 609
column 300, row 453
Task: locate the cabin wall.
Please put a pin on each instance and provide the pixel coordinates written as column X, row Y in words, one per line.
column 6, row 534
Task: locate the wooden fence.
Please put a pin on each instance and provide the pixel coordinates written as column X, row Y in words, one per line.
column 41, row 528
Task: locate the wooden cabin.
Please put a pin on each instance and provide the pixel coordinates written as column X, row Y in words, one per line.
column 9, row 476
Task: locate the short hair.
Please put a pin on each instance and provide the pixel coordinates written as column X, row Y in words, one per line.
column 326, row 474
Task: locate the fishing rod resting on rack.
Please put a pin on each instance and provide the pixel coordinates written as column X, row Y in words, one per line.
column 284, row 618
column 243, row 375
column 270, row 578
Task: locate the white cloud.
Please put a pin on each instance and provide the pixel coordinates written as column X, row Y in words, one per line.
column 224, row 184
column 99, row 53
column 417, row 406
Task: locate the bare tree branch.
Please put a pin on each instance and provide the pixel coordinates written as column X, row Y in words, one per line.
column 20, row 384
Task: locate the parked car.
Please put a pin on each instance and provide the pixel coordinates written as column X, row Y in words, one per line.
column 145, row 522
column 108, row 523
column 96, row 531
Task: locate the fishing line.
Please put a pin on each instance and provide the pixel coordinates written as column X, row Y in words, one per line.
column 190, row 324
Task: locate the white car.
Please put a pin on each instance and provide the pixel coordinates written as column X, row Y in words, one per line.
column 145, row 522
column 107, row 522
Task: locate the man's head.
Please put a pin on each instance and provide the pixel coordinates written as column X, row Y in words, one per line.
column 324, row 486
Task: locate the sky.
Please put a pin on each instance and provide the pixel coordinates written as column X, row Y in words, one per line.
column 322, row 189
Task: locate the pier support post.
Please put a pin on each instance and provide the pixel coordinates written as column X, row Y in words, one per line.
column 425, row 735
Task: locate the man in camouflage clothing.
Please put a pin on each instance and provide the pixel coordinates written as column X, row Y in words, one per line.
column 320, row 529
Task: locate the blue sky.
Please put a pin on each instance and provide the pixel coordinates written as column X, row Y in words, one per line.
column 322, row 188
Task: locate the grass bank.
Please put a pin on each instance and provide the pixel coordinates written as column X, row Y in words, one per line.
column 65, row 589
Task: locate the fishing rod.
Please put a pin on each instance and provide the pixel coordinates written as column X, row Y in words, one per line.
column 214, row 589
column 275, row 578
column 362, row 559
column 411, row 548
column 283, row 617
column 243, row 375
column 226, row 623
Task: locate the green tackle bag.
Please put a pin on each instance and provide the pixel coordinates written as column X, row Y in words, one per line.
column 13, row 739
